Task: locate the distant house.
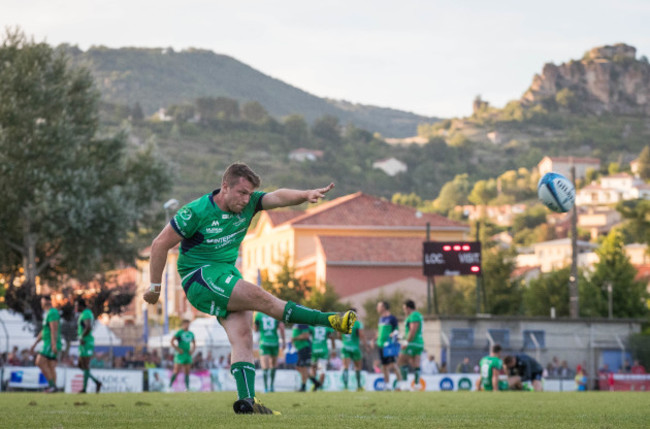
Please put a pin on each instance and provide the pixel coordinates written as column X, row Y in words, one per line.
column 161, row 115
column 302, row 154
column 634, row 166
column 612, row 189
column 502, row 215
column 599, row 220
column 495, row 137
column 595, row 194
column 390, row 166
column 562, row 165
column 556, row 254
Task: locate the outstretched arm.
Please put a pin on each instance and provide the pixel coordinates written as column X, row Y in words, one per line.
column 167, row 239
column 293, row 197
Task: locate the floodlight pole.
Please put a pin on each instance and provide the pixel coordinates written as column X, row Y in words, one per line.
column 478, row 277
column 574, row 304
column 428, row 277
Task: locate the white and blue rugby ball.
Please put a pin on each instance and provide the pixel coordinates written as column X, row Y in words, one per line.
column 556, row 192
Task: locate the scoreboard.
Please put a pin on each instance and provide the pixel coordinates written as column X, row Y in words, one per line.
column 442, row 258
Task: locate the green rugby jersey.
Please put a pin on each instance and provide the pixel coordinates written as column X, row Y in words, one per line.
column 51, row 316
column 351, row 340
column 85, row 315
column 299, row 330
column 268, row 328
column 211, row 235
column 486, row 364
column 184, row 339
column 415, row 317
column 320, row 335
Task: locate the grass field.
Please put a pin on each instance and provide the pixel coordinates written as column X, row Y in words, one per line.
column 413, row 410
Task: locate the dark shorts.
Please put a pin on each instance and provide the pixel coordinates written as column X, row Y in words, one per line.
column 46, row 356
column 385, row 360
column 534, row 376
column 304, row 357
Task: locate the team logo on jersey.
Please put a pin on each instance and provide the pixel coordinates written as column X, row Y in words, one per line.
column 240, row 220
column 185, row 213
column 225, row 216
column 213, row 230
column 215, row 223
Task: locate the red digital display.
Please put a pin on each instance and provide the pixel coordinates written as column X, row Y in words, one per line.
column 451, row 259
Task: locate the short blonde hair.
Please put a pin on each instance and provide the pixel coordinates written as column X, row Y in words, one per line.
column 238, row 170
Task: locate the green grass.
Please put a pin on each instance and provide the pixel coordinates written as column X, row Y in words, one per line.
column 413, row 410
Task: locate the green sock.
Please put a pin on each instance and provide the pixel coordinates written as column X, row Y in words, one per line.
column 86, row 375
column 265, row 374
column 404, row 369
column 358, row 374
column 417, row 375
column 345, row 378
column 272, row 378
column 244, row 373
column 51, row 383
column 171, row 383
column 294, row 313
column 187, row 381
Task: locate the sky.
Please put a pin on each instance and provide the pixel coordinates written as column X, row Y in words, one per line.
column 429, row 57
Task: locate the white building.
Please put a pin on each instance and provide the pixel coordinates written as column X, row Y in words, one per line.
column 302, row 154
column 562, row 165
column 390, row 166
column 556, row 254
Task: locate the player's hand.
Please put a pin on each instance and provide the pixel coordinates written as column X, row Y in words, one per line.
column 82, row 341
column 151, row 297
column 54, row 350
column 316, row 194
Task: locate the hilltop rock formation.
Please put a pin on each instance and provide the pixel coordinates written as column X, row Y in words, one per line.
column 607, row 79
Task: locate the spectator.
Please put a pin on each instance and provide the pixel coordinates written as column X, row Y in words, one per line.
column 464, row 367
column 564, row 370
column 376, row 367
column 581, row 379
column 637, row 368
column 13, row 358
column 429, row 366
column 553, row 367
column 198, row 361
column 443, row 368
column 335, row 362
column 209, row 360
column 627, row 368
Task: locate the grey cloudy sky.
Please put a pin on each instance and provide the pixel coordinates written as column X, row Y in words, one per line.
column 429, row 57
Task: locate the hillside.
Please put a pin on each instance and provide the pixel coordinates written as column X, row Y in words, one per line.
column 157, row 78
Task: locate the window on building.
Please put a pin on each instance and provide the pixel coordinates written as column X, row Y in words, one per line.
column 500, row 336
column 462, row 337
column 539, row 337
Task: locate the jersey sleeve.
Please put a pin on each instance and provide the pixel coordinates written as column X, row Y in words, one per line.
column 185, row 222
column 177, row 335
column 53, row 315
column 393, row 323
column 256, row 200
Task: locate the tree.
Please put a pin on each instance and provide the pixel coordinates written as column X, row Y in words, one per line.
column 73, row 202
column 137, row 114
column 254, row 112
column 296, row 130
column 325, row 299
column 628, row 294
column 502, row 295
column 411, row 200
column 547, row 291
column 327, row 128
column 482, row 192
column 452, row 194
column 211, row 108
column 613, row 168
column 396, row 300
column 637, row 225
column 644, row 163
column 287, row 285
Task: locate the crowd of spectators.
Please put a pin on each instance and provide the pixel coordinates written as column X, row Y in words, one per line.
column 139, row 359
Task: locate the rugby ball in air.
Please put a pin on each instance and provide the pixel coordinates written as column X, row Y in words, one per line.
column 556, row 192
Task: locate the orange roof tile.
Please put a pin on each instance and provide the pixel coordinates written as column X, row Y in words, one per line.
column 364, row 210
column 278, row 217
column 379, row 250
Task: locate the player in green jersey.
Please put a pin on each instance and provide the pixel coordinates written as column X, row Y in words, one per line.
column 352, row 352
column 413, row 345
column 268, row 328
column 184, row 344
column 490, row 367
column 387, row 330
column 320, row 353
column 86, row 342
column 51, row 336
column 210, row 230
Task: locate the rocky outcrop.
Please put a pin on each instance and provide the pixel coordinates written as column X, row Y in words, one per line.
column 607, row 79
